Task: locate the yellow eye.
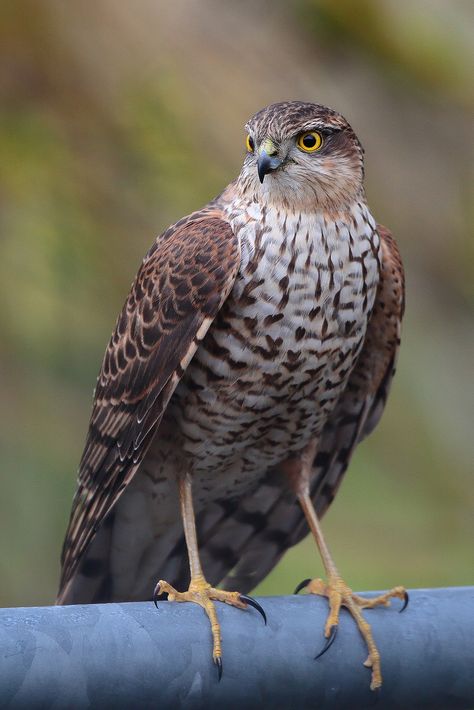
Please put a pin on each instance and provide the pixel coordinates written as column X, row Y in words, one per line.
column 250, row 144
column 310, row 141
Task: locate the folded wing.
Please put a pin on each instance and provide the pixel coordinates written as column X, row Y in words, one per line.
column 180, row 287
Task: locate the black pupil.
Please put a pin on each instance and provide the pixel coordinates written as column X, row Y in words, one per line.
column 251, row 143
column 309, row 141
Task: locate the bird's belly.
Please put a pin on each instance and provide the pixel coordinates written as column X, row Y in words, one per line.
column 235, row 428
column 272, row 366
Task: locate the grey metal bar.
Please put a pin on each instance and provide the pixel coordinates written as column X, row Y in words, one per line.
column 133, row 656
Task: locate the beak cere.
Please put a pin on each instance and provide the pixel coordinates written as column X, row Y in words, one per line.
column 268, row 159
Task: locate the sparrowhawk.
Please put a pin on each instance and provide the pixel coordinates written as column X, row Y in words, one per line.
column 254, row 351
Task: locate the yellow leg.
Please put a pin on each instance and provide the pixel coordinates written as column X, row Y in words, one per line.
column 200, row 591
column 340, row 594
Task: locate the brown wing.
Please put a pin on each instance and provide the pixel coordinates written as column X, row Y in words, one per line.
column 181, row 285
column 258, row 530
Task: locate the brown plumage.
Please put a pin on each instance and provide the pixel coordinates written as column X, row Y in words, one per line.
column 182, row 283
column 259, row 329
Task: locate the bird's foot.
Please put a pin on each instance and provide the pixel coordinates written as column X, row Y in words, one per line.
column 340, row 594
column 200, row 592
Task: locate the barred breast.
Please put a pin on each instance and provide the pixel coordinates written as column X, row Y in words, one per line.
column 272, row 366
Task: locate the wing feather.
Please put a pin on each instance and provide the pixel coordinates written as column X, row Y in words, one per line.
column 180, row 287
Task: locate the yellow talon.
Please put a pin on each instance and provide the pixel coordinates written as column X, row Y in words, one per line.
column 340, row 594
column 200, row 592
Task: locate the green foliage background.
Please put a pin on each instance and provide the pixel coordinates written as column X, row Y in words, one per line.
column 116, row 118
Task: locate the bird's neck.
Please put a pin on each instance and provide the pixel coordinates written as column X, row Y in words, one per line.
column 311, row 196
column 239, row 203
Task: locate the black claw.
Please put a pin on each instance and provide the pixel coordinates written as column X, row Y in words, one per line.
column 302, row 585
column 406, row 599
column 251, row 602
column 376, row 694
column 156, row 594
column 218, row 662
column 329, row 642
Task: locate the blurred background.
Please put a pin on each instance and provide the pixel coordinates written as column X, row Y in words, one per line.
column 116, row 119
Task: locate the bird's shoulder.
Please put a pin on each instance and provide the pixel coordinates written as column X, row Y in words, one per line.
column 185, row 276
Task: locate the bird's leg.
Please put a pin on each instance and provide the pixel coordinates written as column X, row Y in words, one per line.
column 200, row 591
column 335, row 588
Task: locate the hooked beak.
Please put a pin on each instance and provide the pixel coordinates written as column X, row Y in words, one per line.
column 268, row 159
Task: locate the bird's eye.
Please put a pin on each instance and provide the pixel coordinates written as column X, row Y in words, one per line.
column 250, row 144
column 310, row 141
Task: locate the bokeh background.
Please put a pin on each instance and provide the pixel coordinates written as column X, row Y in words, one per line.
column 116, row 119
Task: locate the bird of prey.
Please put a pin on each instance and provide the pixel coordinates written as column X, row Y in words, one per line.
column 254, row 352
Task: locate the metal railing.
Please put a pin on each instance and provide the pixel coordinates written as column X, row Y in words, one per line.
column 134, row 656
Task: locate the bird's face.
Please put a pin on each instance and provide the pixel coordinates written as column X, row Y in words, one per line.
column 304, row 156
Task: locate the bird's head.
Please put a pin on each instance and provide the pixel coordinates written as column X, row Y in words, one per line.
column 303, row 156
